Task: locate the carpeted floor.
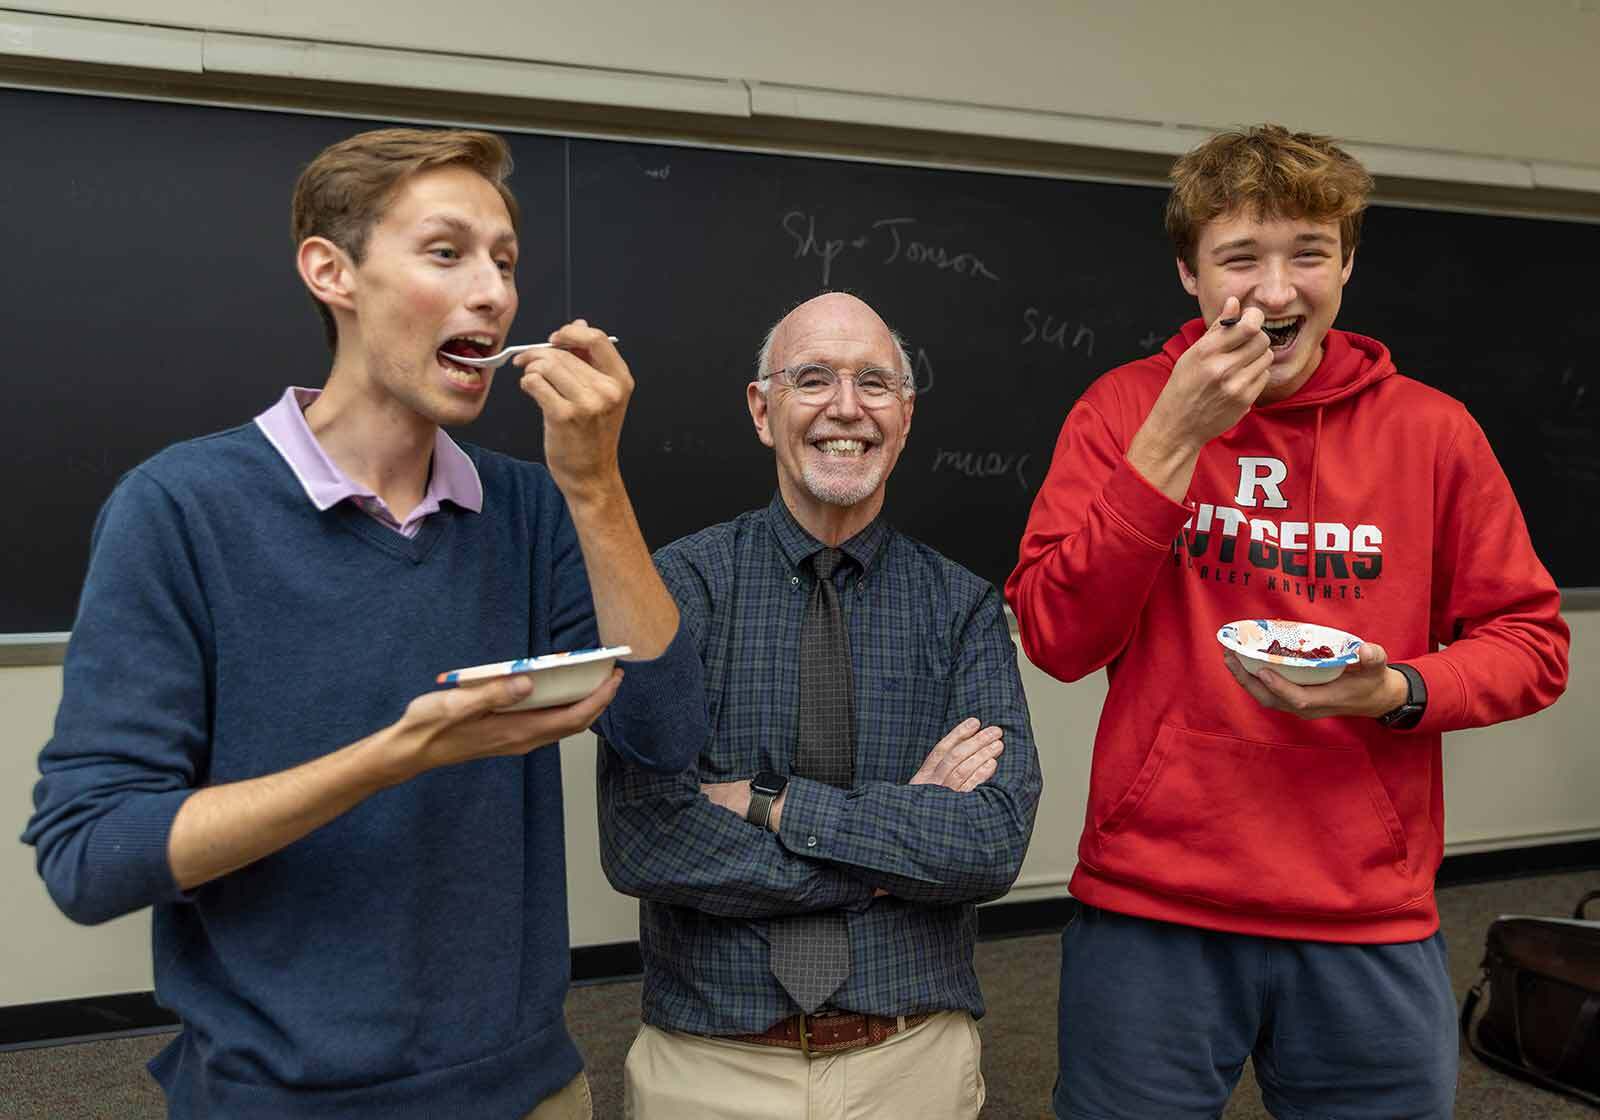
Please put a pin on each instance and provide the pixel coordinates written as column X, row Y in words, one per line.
column 106, row 1080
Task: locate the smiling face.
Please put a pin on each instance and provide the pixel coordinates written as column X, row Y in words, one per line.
column 834, row 457
column 1288, row 267
column 437, row 277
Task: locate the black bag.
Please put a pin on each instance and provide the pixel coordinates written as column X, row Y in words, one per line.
column 1543, row 1019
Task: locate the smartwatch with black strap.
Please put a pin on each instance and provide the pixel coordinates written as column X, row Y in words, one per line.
column 764, row 790
column 1409, row 713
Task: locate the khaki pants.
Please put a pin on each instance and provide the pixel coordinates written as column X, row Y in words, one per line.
column 570, row 1102
column 927, row 1073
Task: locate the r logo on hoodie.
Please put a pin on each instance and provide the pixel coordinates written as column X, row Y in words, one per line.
column 1262, row 474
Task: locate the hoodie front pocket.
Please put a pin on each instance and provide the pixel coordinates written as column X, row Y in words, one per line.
column 1264, row 827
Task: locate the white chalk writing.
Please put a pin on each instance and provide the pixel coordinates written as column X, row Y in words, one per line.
column 921, row 252
column 984, row 464
column 922, row 372
column 803, row 228
column 1060, row 333
column 898, row 247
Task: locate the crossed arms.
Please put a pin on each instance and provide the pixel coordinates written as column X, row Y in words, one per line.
column 944, row 834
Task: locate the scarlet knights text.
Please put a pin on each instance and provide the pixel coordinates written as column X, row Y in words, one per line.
column 1327, row 560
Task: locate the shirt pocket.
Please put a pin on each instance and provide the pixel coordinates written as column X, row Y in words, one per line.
column 1258, row 826
column 898, row 721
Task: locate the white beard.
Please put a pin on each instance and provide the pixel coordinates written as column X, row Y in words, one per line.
column 841, row 490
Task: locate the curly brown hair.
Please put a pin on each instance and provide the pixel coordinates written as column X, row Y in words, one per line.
column 342, row 194
column 1274, row 172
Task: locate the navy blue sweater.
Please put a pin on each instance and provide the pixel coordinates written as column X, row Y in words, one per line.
column 410, row 958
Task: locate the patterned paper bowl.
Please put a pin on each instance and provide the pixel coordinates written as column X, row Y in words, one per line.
column 558, row 678
column 1249, row 639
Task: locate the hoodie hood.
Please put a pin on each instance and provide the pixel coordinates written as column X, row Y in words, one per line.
column 1350, row 363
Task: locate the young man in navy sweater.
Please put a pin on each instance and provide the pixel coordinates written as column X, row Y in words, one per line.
column 358, row 881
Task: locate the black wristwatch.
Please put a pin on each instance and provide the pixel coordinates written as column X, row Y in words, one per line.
column 1408, row 714
column 764, row 790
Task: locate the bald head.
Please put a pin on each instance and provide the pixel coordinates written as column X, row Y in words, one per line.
column 834, row 444
column 824, row 322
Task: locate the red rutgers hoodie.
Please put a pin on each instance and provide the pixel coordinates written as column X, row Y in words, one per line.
column 1367, row 502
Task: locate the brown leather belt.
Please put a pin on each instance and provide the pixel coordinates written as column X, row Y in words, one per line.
column 829, row 1032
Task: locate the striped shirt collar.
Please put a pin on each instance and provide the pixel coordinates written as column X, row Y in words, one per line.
column 798, row 546
column 453, row 477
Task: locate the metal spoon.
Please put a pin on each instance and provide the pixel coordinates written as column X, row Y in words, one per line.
column 495, row 361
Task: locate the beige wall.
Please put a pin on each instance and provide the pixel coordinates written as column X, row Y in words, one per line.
column 1532, row 781
column 1465, row 76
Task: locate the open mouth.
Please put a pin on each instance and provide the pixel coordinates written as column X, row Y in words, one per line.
column 1283, row 332
column 464, row 346
column 843, row 447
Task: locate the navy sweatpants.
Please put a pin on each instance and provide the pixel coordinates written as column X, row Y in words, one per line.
column 1156, row 1021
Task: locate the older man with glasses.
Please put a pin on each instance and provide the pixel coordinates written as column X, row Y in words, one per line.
column 809, row 888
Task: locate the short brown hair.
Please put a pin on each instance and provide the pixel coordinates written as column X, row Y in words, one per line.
column 1274, row 172
column 342, row 194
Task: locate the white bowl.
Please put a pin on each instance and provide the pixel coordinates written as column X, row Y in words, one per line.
column 558, row 678
column 1248, row 638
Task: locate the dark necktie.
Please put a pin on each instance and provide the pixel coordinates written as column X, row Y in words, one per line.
column 811, row 952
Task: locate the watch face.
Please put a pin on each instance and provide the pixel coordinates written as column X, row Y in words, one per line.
column 769, row 781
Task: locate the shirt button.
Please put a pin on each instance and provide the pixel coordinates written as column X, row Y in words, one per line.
column 794, row 581
column 811, row 841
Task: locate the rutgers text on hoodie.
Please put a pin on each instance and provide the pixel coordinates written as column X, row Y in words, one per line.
column 1367, row 502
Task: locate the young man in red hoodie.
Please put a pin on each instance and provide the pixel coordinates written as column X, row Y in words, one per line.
column 1256, row 868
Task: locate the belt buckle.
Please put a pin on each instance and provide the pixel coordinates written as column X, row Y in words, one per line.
column 807, row 1022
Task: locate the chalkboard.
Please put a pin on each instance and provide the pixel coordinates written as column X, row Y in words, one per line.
column 152, row 297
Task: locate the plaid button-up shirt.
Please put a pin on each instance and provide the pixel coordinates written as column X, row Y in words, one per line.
column 929, row 647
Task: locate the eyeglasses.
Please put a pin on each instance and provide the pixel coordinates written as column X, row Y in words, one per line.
column 816, row 383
